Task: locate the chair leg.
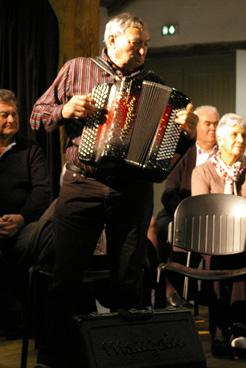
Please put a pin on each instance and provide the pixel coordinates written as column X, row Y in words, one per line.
column 196, row 302
column 160, row 290
column 186, row 279
column 27, row 319
column 24, row 351
column 196, row 308
column 186, row 288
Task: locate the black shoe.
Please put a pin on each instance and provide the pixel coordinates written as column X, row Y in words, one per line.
column 11, row 333
column 238, row 346
column 238, row 329
column 220, row 348
column 175, row 300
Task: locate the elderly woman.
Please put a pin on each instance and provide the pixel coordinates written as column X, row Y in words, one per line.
column 225, row 173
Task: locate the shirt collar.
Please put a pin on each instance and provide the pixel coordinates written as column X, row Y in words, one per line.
column 202, row 156
column 200, row 151
column 116, row 69
column 8, row 147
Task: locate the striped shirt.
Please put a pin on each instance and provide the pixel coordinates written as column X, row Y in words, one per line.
column 78, row 76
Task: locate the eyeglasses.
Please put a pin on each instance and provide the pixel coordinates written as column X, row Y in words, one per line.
column 5, row 114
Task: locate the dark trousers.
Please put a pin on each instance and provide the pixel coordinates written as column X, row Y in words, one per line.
column 33, row 244
column 163, row 219
column 227, row 298
column 84, row 207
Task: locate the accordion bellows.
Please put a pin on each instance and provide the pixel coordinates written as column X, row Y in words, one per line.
column 133, row 126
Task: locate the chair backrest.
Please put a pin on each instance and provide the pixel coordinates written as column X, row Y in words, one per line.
column 211, row 224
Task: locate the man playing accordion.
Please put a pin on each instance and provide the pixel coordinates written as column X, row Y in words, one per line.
column 91, row 197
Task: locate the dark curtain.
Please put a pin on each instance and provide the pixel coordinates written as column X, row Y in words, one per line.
column 29, row 39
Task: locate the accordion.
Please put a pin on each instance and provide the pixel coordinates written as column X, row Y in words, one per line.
column 133, row 126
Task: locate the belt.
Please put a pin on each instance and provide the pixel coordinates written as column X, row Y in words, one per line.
column 82, row 171
column 74, row 168
column 94, row 173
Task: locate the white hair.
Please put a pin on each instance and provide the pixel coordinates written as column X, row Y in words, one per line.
column 207, row 108
column 227, row 121
column 120, row 23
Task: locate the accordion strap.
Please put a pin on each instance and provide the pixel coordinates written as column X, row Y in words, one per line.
column 103, row 64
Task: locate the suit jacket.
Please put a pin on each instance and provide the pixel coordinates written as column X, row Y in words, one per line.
column 24, row 183
column 178, row 182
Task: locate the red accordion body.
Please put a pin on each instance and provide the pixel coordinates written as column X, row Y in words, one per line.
column 138, row 130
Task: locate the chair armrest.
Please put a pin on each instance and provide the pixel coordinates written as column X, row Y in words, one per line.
column 200, row 274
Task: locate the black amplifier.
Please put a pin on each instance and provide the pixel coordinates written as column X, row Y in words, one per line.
column 140, row 339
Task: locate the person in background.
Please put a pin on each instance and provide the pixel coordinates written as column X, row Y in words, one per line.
column 178, row 187
column 24, row 197
column 225, row 172
column 90, row 197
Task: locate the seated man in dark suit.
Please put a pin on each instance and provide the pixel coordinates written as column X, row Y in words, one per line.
column 178, row 185
column 25, row 227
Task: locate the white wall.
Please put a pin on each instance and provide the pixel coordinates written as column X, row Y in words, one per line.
column 200, row 21
column 241, row 82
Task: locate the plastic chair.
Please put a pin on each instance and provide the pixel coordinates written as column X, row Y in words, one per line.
column 208, row 224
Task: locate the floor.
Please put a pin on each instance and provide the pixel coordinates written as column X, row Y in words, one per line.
column 10, row 350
